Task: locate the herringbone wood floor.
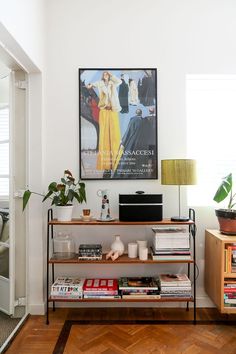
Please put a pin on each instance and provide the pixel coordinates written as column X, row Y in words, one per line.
column 38, row 338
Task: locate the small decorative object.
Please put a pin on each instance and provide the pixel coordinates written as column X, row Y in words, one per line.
column 63, row 246
column 117, row 248
column 62, row 195
column 132, row 250
column 105, row 207
column 141, row 243
column 226, row 217
column 86, row 216
column 143, row 253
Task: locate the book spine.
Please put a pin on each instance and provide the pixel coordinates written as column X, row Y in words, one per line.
column 132, row 296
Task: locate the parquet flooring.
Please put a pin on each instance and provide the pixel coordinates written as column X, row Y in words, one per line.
column 213, row 338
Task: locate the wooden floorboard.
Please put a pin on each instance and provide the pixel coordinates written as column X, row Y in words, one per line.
column 213, row 334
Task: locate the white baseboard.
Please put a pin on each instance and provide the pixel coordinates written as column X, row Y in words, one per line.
column 37, row 309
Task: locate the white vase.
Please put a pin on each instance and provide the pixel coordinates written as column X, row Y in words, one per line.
column 117, row 245
column 64, row 213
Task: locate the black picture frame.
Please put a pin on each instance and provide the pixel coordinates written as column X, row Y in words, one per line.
column 118, row 123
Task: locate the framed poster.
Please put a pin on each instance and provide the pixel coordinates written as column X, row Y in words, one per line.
column 118, row 123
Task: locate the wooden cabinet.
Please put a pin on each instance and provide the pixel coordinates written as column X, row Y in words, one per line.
column 52, row 262
column 216, row 273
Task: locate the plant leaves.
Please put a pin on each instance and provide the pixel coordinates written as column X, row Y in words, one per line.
column 47, row 196
column 52, row 187
column 224, row 189
column 26, row 197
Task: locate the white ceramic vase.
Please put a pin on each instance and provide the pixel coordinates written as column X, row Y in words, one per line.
column 64, row 213
column 117, row 245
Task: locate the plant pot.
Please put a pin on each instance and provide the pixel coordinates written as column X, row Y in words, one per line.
column 64, row 213
column 227, row 221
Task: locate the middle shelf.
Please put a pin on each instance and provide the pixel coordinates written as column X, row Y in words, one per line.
column 124, row 259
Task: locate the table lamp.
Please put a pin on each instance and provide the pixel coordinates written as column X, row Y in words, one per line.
column 178, row 172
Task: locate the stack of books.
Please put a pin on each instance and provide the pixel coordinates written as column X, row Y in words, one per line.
column 101, row 289
column 230, row 258
column 90, row 252
column 67, row 288
column 139, row 287
column 170, row 243
column 230, row 293
column 175, row 285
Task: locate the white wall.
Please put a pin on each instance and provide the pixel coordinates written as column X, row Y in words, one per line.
column 176, row 37
column 24, row 20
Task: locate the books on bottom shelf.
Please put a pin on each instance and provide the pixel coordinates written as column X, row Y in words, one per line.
column 100, row 288
column 139, row 287
column 175, row 285
column 67, row 288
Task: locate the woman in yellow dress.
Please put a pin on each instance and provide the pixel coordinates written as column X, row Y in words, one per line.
column 109, row 125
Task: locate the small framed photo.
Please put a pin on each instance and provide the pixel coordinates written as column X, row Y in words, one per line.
column 118, row 124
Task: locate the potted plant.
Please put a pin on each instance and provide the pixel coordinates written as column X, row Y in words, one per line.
column 226, row 217
column 62, row 195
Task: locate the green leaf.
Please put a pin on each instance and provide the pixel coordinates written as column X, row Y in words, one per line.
column 26, row 198
column 77, row 197
column 224, row 189
column 82, row 193
column 70, row 195
column 52, row 187
column 47, row 195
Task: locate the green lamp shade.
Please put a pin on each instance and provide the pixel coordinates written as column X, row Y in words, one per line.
column 178, row 172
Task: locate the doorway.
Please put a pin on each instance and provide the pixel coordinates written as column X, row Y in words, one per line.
column 12, row 180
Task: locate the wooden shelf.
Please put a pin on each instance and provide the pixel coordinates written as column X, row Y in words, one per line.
column 187, row 299
column 215, row 276
column 230, row 275
column 124, row 259
column 118, row 222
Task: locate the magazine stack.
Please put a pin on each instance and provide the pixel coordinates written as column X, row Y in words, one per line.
column 170, row 243
column 175, row 285
column 67, row 288
column 90, row 252
column 139, row 287
column 101, row 288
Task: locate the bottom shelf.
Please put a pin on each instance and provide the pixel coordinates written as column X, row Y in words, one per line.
column 172, row 299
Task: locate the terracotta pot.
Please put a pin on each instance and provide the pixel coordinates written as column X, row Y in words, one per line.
column 227, row 221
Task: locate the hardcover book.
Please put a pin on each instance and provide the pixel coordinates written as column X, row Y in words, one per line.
column 100, row 285
column 67, row 287
column 138, row 283
column 174, row 280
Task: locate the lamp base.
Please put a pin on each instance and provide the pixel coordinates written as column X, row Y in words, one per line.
column 179, row 218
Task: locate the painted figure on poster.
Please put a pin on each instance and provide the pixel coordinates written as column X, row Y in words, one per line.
column 138, row 147
column 109, row 127
column 133, row 93
column 123, row 95
column 146, row 88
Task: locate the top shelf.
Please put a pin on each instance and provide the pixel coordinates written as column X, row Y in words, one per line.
column 118, row 222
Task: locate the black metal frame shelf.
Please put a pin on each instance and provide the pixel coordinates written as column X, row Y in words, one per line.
column 121, row 260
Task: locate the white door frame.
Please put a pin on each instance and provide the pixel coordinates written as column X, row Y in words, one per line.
column 13, row 56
